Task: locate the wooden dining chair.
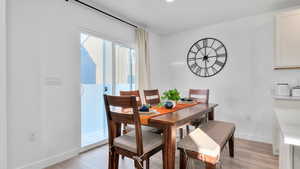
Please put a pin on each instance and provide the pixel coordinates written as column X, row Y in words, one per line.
column 138, row 145
column 135, row 93
column 152, row 97
column 202, row 96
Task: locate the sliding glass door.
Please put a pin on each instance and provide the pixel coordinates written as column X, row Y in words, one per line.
column 125, row 69
column 106, row 68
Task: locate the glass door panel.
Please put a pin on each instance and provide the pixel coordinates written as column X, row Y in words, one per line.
column 106, row 68
column 94, row 83
column 125, row 69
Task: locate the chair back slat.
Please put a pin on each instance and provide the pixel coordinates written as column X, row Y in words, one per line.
column 123, row 109
column 201, row 95
column 152, row 97
column 133, row 93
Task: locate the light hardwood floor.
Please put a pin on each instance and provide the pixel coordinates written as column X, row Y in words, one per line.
column 248, row 155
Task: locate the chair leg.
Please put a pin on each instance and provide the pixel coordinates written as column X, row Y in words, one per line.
column 137, row 166
column 181, row 133
column 182, row 160
column 124, row 131
column 113, row 160
column 116, row 160
column 231, row 146
column 187, row 129
column 210, row 166
column 148, row 163
column 164, row 158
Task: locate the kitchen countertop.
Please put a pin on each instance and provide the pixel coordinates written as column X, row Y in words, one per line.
column 286, row 97
column 289, row 123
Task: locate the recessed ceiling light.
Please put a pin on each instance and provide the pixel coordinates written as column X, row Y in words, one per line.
column 169, row 1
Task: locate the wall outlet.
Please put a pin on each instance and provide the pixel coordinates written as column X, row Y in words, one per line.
column 32, row 137
column 248, row 118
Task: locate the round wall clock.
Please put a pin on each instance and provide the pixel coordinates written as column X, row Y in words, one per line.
column 207, row 57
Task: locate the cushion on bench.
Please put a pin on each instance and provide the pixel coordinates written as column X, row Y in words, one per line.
column 209, row 139
column 198, row 141
column 219, row 131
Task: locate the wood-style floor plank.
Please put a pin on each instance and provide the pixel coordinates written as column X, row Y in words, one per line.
column 248, row 155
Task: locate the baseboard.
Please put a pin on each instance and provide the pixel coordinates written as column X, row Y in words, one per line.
column 253, row 138
column 51, row 160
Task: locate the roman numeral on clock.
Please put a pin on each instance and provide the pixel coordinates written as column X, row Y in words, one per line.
column 192, row 59
column 195, row 53
column 198, row 46
column 193, row 66
column 219, row 63
column 205, row 42
column 222, row 55
column 214, row 70
column 220, row 47
column 206, row 72
column 198, row 71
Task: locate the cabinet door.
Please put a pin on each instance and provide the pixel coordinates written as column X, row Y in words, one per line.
column 285, row 156
column 288, row 40
column 297, row 157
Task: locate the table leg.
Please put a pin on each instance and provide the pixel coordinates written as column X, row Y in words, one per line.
column 211, row 114
column 170, row 147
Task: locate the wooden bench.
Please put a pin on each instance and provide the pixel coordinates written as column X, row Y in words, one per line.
column 206, row 143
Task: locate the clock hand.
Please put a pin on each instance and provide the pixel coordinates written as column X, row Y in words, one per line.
column 199, row 58
column 220, row 55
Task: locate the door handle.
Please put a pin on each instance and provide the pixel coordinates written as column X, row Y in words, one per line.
column 105, row 89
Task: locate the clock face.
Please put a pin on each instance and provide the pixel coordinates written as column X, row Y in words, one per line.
column 207, row 57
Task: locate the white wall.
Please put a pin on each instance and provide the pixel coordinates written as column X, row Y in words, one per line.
column 3, row 113
column 159, row 70
column 243, row 88
column 43, row 39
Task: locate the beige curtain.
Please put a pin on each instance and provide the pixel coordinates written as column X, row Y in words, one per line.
column 143, row 59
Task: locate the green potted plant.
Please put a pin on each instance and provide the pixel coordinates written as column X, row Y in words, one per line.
column 171, row 96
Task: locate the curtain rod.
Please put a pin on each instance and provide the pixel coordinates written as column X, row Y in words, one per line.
column 103, row 12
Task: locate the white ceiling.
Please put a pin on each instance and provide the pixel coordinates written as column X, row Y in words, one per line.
column 167, row 18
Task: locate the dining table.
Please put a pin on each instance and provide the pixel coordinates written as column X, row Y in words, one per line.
column 171, row 119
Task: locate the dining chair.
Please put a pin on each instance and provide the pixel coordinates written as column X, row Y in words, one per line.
column 152, row 97
column 202, row 96
column 138, row 145
column 135, row 93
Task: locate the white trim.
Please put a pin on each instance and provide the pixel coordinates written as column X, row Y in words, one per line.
column 3, row 86
column 93, row 146
column 52, row 160
column 251, row 137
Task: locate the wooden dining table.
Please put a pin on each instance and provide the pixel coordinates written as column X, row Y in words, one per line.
column 170, row 121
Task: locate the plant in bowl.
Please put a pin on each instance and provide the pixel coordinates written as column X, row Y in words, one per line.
column 171, row 96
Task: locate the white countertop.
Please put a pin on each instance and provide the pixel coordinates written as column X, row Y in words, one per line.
column 286, row 97
column 289, row 123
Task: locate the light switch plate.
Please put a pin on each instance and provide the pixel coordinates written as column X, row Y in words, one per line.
column 53, row 81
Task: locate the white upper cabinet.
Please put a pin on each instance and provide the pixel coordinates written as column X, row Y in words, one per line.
column 287, row 40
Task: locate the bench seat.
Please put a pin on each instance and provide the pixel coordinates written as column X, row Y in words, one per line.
column 206, row 143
